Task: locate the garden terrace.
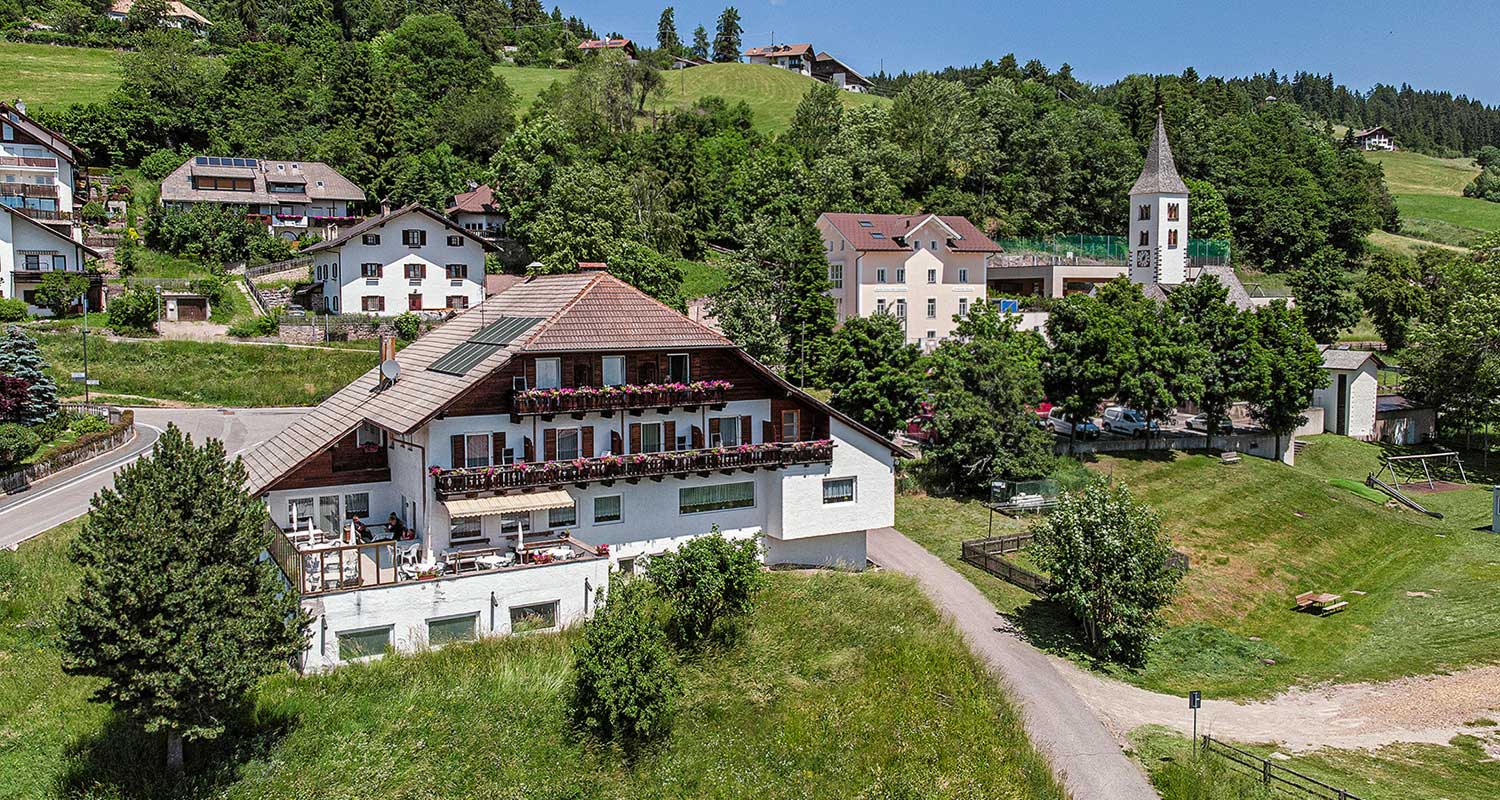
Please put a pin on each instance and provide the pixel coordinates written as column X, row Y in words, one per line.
column 631, row 468
column 629, row 397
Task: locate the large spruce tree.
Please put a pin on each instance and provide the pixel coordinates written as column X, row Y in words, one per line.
column 21, row 358
column 176, row 612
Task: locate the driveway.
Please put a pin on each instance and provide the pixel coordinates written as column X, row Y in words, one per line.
column 1085, row 757
column 66, row 495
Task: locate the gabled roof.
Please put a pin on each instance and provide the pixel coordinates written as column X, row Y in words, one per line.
column 861, row 229
column 21, row 213
column 1159, row 174
column 1345, row 359
column 782, row 51
column 175, row 8
column 1368, row 131
column 607, row 44
column 51, row 139
column 577, row 310
column 479, row 200
column 377, row 221
column 826, row 64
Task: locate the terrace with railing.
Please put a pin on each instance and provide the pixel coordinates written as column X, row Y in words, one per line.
column 630, row 468
column 627, row 397
column 28, row 162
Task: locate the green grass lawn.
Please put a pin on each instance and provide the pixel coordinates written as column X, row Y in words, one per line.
column 157, row 264
column 1405, row 245
column 48, row 75
column 1414, row 173
column 1463, row 770
column 528, row 82
column 1259, row 533
column 772, row 93
column 207, row 373
column 1429, row 195
column 846, row 685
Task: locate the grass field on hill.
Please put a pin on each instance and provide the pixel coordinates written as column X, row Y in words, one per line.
column 845, row 686
column 772, row 93
column 1429, row 195
column 528, row 82
column 1259, row 533
column 50, row 75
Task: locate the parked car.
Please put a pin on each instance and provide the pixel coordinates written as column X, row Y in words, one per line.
column 1127, row 421
column 1041, row 410
column 1062, row 426
column 1200, row 423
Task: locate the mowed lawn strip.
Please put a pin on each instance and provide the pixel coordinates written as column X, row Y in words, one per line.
column 845, row 685
column 772, row 93
column 207, row 373
column 52, row 76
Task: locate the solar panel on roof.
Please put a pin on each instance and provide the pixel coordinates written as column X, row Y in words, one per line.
column 482, row 345
column 200, row 161
column 504, row 330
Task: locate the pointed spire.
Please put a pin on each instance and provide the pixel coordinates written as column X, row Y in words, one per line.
column 1159, row 175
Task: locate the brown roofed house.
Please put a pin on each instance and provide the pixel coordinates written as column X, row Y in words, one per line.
column 291, row 197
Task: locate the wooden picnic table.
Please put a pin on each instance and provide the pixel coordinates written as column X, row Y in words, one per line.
column 1323, row 602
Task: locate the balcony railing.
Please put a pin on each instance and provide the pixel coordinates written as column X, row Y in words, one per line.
column 28, row 162
column 473, row 480
column 28, row 190
column 619, row 398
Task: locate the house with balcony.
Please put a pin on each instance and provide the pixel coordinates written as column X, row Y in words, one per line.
column 410, row 259
column 40, row 171
column 797, row 58
column 30, row 249
column 923, row 269
column 477, row 212
column 534, row 445
column 290, row 197
column 176, row 15
column 614, row 43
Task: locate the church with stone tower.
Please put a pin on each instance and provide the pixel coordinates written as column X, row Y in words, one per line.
column 1159, row 217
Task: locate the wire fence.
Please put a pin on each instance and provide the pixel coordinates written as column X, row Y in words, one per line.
column 1273, row 775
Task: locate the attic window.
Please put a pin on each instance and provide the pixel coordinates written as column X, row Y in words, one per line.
column 864, row 223
column 877, row 235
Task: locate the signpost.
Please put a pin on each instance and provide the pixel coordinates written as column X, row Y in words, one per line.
column 1495, row 511
column 1195, row 699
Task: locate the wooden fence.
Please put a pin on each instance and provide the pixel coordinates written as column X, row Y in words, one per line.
column 989, row 555
column 84, row 448
column 1262, row 445
column 1274, row 776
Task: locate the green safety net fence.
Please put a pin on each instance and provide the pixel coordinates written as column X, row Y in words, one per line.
column 1105, row 248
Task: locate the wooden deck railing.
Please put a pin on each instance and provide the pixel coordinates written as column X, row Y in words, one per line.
column 618, row 398
column 630, row 467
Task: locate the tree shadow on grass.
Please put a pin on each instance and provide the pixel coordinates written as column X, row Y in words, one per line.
column 1048, row 627
column 121, row 760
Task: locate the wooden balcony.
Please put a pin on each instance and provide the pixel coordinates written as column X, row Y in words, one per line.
column 47, row 190
column 28, row 162
column 572, row 400
column 630, row 468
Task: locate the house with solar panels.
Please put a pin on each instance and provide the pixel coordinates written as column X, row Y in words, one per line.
column 494, row 475
column 410, row 259
column 291, row 197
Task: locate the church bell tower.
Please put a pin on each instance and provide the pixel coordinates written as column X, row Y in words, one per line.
column 1159, row 217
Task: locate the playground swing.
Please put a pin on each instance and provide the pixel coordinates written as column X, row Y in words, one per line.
column 1404, row 469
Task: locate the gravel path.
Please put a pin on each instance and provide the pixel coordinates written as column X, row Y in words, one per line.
column 1429, row 709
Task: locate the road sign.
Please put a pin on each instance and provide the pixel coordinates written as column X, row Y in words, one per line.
column 78, row 376
column 1195, row 699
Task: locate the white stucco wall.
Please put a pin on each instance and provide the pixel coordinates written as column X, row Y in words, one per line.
column 339, row 269
column 840, row 551
column 407, row 607
column 803, row 512
column 1173, row 261
column 1363, row 386
column 18, row 237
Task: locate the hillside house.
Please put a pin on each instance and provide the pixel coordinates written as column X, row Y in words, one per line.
column 797, row 58
column 830, row 70
column 600, row 45
column 290, row 197
column 921, row 269
column 41, row 173
column 178, row 15
column 533, row 446
column 1349, row 400
column 410, row 259
column 29, row 249
column 476, row 212
column 1376, row 138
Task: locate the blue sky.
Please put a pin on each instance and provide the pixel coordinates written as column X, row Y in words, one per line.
column 1431, row 44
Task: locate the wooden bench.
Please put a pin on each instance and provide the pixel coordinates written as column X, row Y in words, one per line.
column 1335, row 608
column 1229, row 457
column 1304, row 599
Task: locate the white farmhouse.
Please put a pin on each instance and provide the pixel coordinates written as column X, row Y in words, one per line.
column 1349, row 400
column 533, row 445
column 29, row 249
column 41, row 173
column 410, row 259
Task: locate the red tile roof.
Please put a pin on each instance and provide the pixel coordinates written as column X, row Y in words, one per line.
column 805, row 50
column 604, row 44
column 609, row 314
column 893, row 227
column 478, row 201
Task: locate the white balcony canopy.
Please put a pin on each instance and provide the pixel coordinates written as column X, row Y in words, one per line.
column 508, row 504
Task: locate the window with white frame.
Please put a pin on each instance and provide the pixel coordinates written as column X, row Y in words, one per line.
column 963, row 274
column 535, row 617
column 900, row 309
column 607, row 509
column 372, row 303
column 900, row 274
column 719, row 497
column 414, row 237
column 932, row 308
column 363, row 643
column 464, row 628
column 299, row 512
column 357, row 504
column 880, row 305
column 370, row 238
column 963, row 306
column 476, row 450
column 932, row 245
column 932, row 276
column 614, row 370
column 565, row 517
column 651, row 437
column 369, row 270
column 678, row 370
column 465, row 529
column 838, row 490
column 836, row 275
column 548, row 373
column 515, row 524
column 455, row 241
column 728, row 433
column 369, row 434
column 456, row 272
column 880, row 275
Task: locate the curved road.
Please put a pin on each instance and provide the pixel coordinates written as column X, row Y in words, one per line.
column 66, row 495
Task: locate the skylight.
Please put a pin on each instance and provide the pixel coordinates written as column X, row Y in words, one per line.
column 877, row 235
column 864, row 223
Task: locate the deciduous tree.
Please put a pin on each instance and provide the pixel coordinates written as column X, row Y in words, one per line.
column 1078, row 371
column 1285, row 367
column 1203, row 307
column 1393, row 295
column 1321, row 286
column 873, row 372
column 708, row 582
column 58, row 292
column 625, row 682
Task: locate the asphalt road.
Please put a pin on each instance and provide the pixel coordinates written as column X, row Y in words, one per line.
column 1085, row 757
column 65, row 496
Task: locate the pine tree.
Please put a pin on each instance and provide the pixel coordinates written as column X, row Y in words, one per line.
column 727, row 38
column 175, row 611
column 666, row 33
column 700, row 42
column 21, row 358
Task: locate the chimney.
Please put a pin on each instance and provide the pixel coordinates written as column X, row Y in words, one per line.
column 593, row 266
column 387, row 348
column 385, row 207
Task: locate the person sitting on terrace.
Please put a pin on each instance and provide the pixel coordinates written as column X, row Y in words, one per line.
column 361, row 530
column 397, row 529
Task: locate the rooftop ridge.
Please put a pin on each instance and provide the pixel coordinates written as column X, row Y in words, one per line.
column 1159, row 173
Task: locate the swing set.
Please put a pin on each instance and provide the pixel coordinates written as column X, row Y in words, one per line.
column 1420, row 468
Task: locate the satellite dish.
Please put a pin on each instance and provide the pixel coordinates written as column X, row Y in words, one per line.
column 390, row 369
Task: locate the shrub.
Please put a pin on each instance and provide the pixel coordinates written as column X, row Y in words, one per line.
column 264, row 325
column 707, row 580
column 88, row 423
column 133, row 312
column 16, row 442
column 211, row 287
column 12, row 309
column 60, row 291
column 268, row 248
column 94, row 212
column 408, row 326
column 160, row 164
column 624, row 678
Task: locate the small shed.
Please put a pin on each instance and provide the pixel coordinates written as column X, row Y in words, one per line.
column 185, row 307
column 1348, row 401
column 1399, row 420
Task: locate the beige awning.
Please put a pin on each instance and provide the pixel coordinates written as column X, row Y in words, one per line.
column 508, row 504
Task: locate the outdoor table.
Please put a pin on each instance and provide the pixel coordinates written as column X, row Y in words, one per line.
column 1324, row 598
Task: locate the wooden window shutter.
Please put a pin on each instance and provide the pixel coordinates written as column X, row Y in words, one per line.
column 549, row 444
column 768, row 432
column 669, row 435
column 635, row 437
column 713, row 428
column 586, row 449
column 616, row 443
column 456, row 443
column 497, row 447
column 745, row 430
column 698, row 437
column 528, row 450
